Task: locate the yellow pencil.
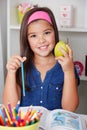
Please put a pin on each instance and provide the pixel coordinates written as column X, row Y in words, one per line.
column 8, row 116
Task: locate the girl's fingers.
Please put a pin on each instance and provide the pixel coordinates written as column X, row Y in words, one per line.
column 21, row 59
column 70, row 51
column 64, row 52
column 17, row 59
column 24, row 59
column 60, row 58
column 15, row 62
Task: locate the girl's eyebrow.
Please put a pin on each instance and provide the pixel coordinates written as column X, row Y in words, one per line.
column 40, row 32
column 31, row 33
column 48, row 29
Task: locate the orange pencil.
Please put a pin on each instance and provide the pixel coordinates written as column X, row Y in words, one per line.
column 27, row 114
column 30, row 116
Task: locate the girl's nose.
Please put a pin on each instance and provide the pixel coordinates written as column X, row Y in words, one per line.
column 41, row 38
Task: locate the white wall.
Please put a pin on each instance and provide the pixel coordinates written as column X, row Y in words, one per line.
column 1, row 68
column 3, row 44
column 3, row 18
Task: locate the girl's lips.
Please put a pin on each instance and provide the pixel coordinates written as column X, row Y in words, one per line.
column 43, row 47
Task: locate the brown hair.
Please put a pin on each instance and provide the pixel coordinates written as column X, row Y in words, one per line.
column 25, row 49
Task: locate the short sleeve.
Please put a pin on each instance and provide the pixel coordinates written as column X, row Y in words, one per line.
column 77, row 76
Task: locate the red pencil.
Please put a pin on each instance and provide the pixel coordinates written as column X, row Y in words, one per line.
column 2, row 121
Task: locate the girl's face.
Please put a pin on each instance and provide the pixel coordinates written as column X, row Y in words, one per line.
column 41, row 37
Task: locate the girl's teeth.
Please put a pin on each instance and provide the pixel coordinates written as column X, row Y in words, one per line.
column 43, row 47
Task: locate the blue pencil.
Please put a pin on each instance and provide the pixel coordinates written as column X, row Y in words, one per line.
column 17, row 106
column 23, row 83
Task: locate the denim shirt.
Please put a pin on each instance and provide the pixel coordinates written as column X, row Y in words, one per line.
column 47, row 93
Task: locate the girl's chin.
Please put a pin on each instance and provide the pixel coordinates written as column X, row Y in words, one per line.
column 45, row 54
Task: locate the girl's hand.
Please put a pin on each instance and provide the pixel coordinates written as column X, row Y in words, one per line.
column 14, row 63
column 66, row 61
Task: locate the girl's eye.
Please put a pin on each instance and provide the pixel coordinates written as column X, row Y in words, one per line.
column 48, row 32
column 32, row 36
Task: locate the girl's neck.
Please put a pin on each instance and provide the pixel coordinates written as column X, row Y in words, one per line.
column 44, row 60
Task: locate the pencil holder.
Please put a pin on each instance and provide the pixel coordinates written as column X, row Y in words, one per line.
column 28, row 120
column 29, row 127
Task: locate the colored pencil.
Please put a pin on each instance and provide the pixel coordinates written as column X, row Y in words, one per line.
column 10, row 111
column 17, row 106
column 8, row 116
column 4, row 113
column 1, row 121
column 23, row 83
column 27, row 114
column 14, row 112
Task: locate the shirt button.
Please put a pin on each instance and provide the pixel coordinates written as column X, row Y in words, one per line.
column 41, row 87
column 41, row 101
column 56, row 88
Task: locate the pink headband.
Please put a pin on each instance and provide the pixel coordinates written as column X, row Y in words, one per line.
column 39, row 15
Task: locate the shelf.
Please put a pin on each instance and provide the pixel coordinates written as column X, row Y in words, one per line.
column 17, row 27
column 60, row 29
column 73, row 29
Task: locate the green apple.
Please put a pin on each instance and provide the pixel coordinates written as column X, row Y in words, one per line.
column 57, row 51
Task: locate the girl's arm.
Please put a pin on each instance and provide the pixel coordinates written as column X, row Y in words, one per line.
column 70, row 98
column 12, row 92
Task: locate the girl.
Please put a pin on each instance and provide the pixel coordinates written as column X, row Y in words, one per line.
column 50, row 82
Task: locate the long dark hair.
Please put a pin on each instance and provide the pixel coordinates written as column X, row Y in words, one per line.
column 25, row 49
